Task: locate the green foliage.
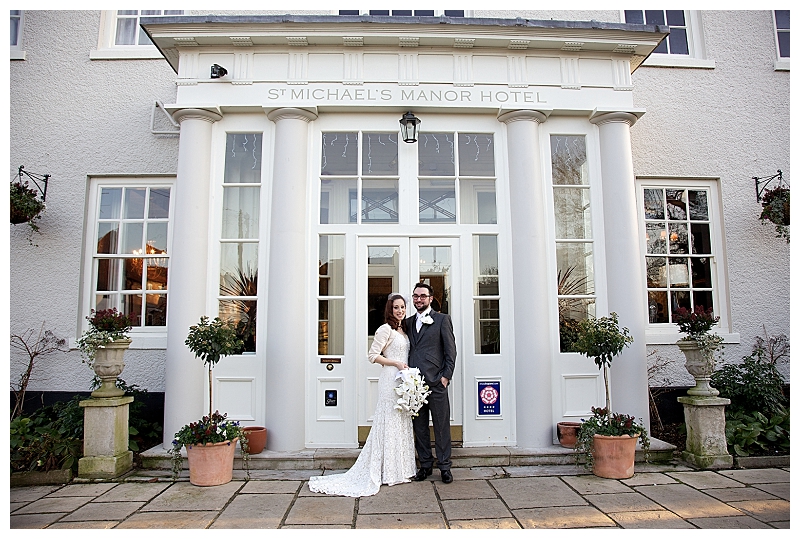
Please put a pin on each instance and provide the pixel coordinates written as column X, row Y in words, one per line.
column 26, row 206
column 105, row 326
column 748, row 433
column 752, row 385
column 775, row 208
column 568, row 329
column 50, row 439
column 601, row 339
column 606, row 424
column 213, row 341
column 211, row 429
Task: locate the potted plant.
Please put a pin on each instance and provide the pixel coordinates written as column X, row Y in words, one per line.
column 699, row 346
column 608, row 440
column 103, row 347
column 210, row 443
column 775, row 208
column 26, row 206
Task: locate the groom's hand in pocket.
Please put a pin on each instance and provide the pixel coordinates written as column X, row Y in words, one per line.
column 445, row 382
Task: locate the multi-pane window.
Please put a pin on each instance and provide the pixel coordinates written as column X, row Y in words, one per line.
column 128, row 31
column 486, row 290
column 330, row 319
column 679, row 255
column 16, row 27
column 239, row 240
column 573, row 233
column 782, row 32
column 131, row 255
column 678, row 40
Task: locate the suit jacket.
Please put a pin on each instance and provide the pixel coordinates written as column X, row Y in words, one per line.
column 433, row 349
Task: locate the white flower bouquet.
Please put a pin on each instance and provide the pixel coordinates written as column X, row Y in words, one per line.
column 413, row 391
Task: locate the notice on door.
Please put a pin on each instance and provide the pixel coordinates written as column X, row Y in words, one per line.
column 488, row 398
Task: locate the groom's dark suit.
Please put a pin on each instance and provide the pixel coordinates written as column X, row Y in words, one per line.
column 433, row 352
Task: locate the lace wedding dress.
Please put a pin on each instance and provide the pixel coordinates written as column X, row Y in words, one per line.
column 388, row 454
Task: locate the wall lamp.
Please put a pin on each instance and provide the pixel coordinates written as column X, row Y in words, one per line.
column 409, row 127
column 217, row 71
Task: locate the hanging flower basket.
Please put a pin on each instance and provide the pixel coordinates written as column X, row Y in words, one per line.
column 26, row 206
column 775, row 209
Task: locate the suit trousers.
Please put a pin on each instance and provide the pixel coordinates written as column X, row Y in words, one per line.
column 438, row 409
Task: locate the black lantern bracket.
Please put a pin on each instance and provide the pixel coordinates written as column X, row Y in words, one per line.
column 764, row 181
column 409, row 127
column 40, row 180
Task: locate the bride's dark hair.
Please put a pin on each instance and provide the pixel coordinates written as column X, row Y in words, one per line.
column 388, row 313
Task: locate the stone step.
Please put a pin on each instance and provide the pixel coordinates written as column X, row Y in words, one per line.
column 462, row 457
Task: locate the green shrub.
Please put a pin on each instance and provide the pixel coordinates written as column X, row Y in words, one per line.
column 753, row 385
column 756, row 433
column 50, row 439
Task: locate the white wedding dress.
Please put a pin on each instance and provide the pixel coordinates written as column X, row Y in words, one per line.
column 388, row 454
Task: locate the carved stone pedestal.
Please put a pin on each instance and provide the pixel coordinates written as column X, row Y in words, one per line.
column 105, row 438
column 705, row 432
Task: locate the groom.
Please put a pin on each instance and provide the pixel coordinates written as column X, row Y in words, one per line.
column 433, row 352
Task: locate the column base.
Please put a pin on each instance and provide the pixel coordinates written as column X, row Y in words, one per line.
column 706, row 446
column 708, row 462
column 105, row 467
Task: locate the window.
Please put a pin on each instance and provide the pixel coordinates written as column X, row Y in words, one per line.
column 130, row 250
column 685, row 44
column 128, row 31
column 330, row 320
column 781, row 20
column 486, row 292
column 404, row 12
column 122, row 37
column 16, row 35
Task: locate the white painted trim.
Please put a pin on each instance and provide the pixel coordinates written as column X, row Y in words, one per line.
column 782, row 64
column 695, row 35
column 671, row 336
column 141, row 52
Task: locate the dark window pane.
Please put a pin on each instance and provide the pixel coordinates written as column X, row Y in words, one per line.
column 704, row 298
column 662, row 47
column 454, row 12
column 701, row 239
column 701, row 272
column 242, row 313
column 678, row 43
column 676, row 204
column 378, row 11
column 783, row 44
column 339, row 154
column 782, row 19
column 110, row 199
column 401, row 12
column 656, row 272
column 132, row 306
column 132, row 273
column 656, row 237
column 107, row 238
column 653, row 203
column 654, row 16
column 159, row 204
column 423, row 12
column 698, row 205
column 155, row 310
column 657, row 307
column 675, row 18
column 680, row 299
column 634, row 16
column 348, row 12
column 678, row 239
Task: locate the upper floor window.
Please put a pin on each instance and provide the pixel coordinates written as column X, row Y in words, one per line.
column 16, row 35
column 781, row 20
column 685, row 44
column 128, row 31
column 404, row 12
column 121, row 36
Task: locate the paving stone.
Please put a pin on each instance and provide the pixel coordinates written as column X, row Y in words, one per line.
column 315, row 527
column 783, row 525
column 781, row 490
column 270, row 487
column 532, row 492
column 485, row 524
column 738, row 494
column 484, row 472
column 762, row 475
column 84, row 525
column 648, row 478
column 472, row 509
column 133, row 492
column 326, row 510
column 764, row 510
column 465, row 490
column 103, row 511
column 729, row 523
column 414, row 497
column 705, row 479
column 562, row 517
column 676, row 466
column 591, row 484
column 650, row 520
column 17, row 505
column 687, row 502
column 29, row 494
column 36, row 521
column 187, row 497
column 254, row 511
column 54, row 505
column 169, row 520
column 92, row 489
column 283, row 475
column 401, row 521
column 545, row 471
column 621, row 502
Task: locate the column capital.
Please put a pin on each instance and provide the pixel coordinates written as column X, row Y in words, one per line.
column 523, row 114
column 289, row 113
column 599, row 118
column 208, row 114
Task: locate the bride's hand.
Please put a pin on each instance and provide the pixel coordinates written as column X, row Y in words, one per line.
column 401, row 366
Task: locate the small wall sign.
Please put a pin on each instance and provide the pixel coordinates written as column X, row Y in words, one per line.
column 489, row 398
column 330, row 397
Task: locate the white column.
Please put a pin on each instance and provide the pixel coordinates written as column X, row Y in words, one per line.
column 532, row 325
column 288, row 302
column 627, row 293
column 185, row 375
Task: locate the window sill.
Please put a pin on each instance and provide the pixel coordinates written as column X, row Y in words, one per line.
column 17, row 54
column 139, row 53
column 782, row 64
column 671, row 337
column 675, row 60
column 141, row 341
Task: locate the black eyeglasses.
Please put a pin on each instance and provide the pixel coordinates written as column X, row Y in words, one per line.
column 423, row 296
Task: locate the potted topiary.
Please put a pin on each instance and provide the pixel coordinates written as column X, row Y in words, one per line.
column 607, row 439
column 699, row 346
column 775, row 209
column 103, row 347
column 210, row 443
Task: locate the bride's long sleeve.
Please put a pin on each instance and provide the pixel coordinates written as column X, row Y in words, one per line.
column 382, row 335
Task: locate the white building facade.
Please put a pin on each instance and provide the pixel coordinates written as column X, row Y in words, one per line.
column 280, row 195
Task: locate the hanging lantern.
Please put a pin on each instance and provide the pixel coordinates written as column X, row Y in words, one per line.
column 409, row 126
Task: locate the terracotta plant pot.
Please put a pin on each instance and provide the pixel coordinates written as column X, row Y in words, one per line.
column 256, row 439
column 211, row 464
column 567, row 432
column 614, row 456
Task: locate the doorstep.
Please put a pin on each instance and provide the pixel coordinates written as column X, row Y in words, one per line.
column 463, row 457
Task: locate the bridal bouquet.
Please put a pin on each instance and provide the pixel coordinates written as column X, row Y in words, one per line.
column 412, row 391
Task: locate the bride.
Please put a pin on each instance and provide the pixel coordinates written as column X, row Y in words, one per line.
column 388, row 454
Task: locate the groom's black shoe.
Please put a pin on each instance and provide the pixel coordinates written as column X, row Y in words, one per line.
column 423, row 474
column 447, row 476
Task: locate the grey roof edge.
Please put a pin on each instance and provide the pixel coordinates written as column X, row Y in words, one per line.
column 383, row 19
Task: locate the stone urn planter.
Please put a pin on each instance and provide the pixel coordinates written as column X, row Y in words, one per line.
column 614, row 456
column 256, row 439
column 108, row 365
column 700, row 367
column 567, row 432
column 211, row 464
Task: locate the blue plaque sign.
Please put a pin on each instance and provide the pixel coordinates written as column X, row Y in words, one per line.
column 488, row 398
